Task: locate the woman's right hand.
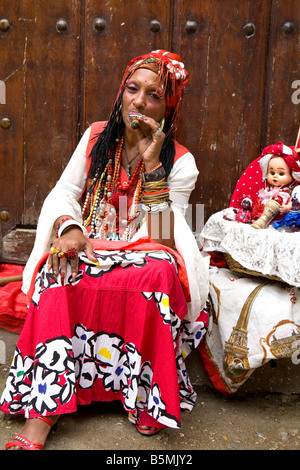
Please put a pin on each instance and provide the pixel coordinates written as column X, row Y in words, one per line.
column 70, row 243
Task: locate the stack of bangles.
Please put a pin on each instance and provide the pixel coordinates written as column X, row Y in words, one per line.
column 155, row 194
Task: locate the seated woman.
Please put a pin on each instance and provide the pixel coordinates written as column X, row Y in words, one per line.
column 117, row 298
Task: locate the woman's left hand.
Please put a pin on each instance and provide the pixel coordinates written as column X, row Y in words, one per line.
column 65, row 249
column 151, row 139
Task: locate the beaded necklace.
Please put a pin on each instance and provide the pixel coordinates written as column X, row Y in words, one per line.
column 128, row 166
column 101, row 207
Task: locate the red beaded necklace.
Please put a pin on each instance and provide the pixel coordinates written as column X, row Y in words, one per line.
column 104, row 209
column 128, row 184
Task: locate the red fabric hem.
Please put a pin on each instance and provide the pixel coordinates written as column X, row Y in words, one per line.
column 211, row 369
column 13, row 302
column 217, row 259
column 144, row 420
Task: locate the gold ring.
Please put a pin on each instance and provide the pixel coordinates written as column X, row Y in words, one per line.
column 53, row 250
column 60, row 254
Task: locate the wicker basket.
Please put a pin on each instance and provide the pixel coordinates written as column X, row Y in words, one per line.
column 235, row 266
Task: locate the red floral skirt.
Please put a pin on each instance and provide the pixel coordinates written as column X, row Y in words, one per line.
column 117, row 333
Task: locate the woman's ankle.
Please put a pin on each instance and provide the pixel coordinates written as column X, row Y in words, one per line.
column 37, row 430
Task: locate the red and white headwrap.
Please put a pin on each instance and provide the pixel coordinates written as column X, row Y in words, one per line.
column 255, row 175
column 170, row 71
column 289, row 155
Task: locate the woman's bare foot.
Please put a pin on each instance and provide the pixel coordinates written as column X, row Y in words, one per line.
column 35, row 430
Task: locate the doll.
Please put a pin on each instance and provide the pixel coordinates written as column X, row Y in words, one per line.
column 281, row 171
column 242, row 214
column 291, row 221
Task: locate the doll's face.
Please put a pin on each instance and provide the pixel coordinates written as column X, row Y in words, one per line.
column 278, row 172
column 246, row 204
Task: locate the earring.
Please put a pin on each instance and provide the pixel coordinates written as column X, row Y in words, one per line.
column 161, row 124
column 119, row 113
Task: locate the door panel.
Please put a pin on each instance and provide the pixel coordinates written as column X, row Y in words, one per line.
column 222, row 114
column 52, row 100
column 41, row 62
column 12, row 70
column 282, row 116
column 116, row 32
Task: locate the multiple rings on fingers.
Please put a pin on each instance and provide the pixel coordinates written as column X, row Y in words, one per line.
column 160, row 128
column 53, row 250
column 158, row 132
column 70, row 254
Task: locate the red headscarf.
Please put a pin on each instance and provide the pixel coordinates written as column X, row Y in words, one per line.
column 288, row 154
column 170, row 70
column 253, row 178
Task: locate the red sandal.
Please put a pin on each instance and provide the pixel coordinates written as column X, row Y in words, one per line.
column 149, row 431
column 20, row 441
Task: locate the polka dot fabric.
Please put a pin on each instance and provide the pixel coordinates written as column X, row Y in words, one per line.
column 255, row 174
column 248, row 184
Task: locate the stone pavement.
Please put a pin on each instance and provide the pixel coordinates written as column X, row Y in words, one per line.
column 263, row 415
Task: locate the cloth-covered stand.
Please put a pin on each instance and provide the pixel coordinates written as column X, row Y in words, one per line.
column 252, row 320
column 266, row 252
column 254, row 292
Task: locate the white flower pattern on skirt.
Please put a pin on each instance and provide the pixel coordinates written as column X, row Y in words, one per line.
column 49, row 379
column 108, row 261
column 64, row 366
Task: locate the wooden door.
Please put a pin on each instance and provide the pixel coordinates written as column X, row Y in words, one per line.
column 282, row 91
column 225, row 45
column 115, row 32
column 61, row 63
column 40, row 63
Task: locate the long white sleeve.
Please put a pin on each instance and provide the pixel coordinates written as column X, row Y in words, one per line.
column 64, row 199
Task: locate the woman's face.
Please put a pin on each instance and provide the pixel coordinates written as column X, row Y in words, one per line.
column 140, row 96
column 278, row 172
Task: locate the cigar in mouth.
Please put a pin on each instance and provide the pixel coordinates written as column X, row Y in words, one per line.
column 133, row 120
column 134, row 124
